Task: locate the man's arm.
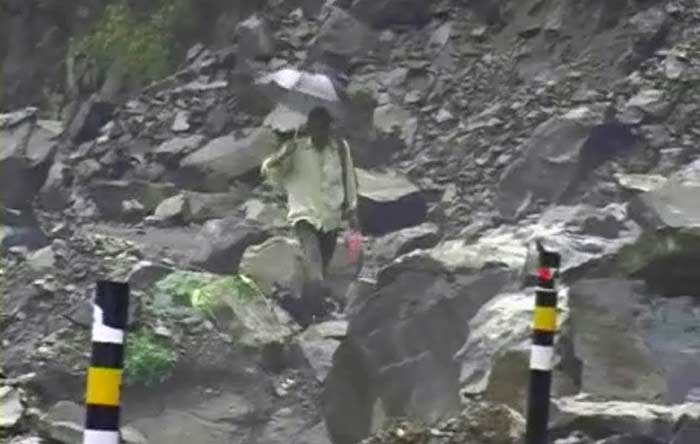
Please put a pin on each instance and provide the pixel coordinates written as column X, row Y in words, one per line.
column 273, row 167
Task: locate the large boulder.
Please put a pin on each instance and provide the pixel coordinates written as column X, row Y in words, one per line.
column 586, row 237
column 25, row 157
column 604, row 419
column 381, row 13
column 616, row 360
column 397, row 359
column 277, row 263
column 495, row 357
column 388, row 202
column 563, row 150
column 394, row 128
column 55, row 194
column 12, row 407
column 633, row 345
column 389, row 247
column 668, row 253
column 223, row 242
column 341, row 38
column 214, row 166
column 255, row 39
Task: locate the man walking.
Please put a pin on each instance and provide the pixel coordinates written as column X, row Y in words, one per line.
column 319, row 178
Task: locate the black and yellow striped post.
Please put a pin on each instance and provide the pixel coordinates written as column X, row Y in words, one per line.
column 104, row 375
column 544, row 325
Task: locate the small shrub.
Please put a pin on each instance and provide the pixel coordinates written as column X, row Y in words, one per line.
column 182, row 285
column 148, row 360
column 238, row 286
column 143, row 42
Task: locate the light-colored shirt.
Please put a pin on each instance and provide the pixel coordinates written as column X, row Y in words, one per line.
column 314, row 182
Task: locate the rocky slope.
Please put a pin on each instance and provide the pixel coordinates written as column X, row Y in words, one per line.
column 479, row 127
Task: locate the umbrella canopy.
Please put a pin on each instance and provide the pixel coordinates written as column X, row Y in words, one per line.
column 303, row 91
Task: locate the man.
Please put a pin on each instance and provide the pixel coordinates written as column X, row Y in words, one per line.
column 319, row 178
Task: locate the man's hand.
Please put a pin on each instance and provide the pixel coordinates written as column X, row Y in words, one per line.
column 350, row 215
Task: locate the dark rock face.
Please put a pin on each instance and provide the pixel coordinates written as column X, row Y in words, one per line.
column 563, row 150
column 389, row 202
column 21, row 229
column 397, row 359
column 26, row 155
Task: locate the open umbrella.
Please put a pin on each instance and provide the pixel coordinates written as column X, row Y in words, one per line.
column 303, row 91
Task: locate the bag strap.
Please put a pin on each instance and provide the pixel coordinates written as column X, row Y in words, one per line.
column 342, row 147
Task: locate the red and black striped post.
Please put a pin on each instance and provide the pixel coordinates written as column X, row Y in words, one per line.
column 544, row 325
column 102, row 394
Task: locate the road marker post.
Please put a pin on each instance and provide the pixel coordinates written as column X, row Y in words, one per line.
column 104, row 375
column 544, row 326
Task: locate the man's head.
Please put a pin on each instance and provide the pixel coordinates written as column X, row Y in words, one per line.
column 318, row 123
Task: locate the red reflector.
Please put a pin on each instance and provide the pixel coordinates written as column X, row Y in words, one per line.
column 544, row 274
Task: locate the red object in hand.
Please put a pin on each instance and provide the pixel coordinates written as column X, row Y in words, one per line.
column 353, row 242
column 543, row 274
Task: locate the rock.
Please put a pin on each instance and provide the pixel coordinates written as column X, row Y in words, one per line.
column 223, row 242
column 266, row 215
column 181, row 124
column 145, row 274
column 393, row 245
column 217, row 121
column 130, row 435
column 392, row 121
column 11, row 408
column 479, row 422
column 388, row 202
column 55, row 193
column 284, row 119
column 109, row 195
column 645, row 105
column 277, row 263
column 284, row 424
column 668, row 252
column 214, row 166
column 315, row 435
column 20, row 229
column 341, row 38
column 318, row 344
column 206, row 206
column 92, row 115
column 495, row 357
column 172, row 150
column 25, row 158
column 383, row 13
column 586, row 238
column 132, row 210
column 173, row 211
column 387, row 363
column 603, row 419
column 640, row 182
column 63, row 422
column 688, row 433
column 255, row 40
column 245, row 314
column 564, row 150
column 617, row 362
column 26, row 440
column 42, row 260
column 213, row 421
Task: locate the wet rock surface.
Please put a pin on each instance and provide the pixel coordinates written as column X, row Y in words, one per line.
column 478, row 128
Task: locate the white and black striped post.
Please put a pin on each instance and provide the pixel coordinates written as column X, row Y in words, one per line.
column 102, row 394
column 544, row 325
